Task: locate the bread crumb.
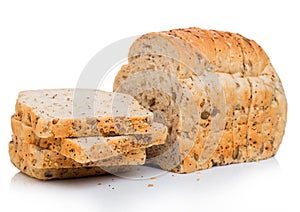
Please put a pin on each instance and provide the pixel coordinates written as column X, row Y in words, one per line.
column 150, row 185
column 152, row 178
column 198, row 172
column 99, row 184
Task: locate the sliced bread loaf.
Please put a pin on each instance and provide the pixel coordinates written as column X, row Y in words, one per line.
column 186, row 53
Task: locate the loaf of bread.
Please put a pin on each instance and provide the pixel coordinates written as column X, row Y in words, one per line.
column 217, row 92
column 81, row 112
column 91, row 149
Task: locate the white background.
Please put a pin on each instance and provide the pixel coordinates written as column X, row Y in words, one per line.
column 46, row 44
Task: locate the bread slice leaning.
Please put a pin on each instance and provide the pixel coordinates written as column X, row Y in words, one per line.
column 81, row 112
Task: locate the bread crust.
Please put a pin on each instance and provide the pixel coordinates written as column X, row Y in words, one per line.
column 254, row 94
column 222, row 52
column 199, row 40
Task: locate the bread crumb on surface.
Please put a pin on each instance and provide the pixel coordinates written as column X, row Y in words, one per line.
column 150, row 185
column 99, row 184
column 153, row 178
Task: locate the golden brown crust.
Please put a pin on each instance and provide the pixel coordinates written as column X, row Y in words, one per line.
column 189, row 58
column 256, row 118
column 250, row 57
column 236, row 66
column 241, row 113
column 254, row 95
column 182, row 54
column 277, row 110
column 198, row 39
column 268, row 123
column 222, row 52
column 262, row 59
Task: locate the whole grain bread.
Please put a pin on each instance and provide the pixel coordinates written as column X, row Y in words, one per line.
column 81, row 112
column 39, row 157
column 249, row 97
column 87, row 149
column 174, row 106
column 47, row 173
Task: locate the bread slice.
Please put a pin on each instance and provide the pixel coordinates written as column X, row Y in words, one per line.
column 87, row 149
column 235, row 53
column 222, row 54
column 225, row 153
column 182, row 55
column 175, row 55
column 39, row 157
column 198, row 39
column 273, row 127
column 240, row 118
column 47, row 173
column 256, row 118
column 81, row 112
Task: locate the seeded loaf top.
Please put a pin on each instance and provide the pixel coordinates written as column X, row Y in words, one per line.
column 81, row 112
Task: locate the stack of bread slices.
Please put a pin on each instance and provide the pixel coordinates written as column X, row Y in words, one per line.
column 66, row 133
